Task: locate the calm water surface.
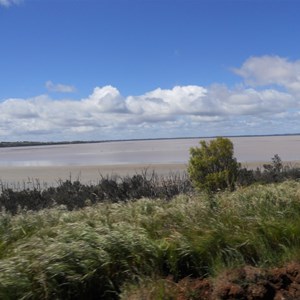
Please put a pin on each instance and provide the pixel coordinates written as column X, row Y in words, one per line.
column 247, row 149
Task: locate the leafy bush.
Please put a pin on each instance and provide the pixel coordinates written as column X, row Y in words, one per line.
column 212, row 166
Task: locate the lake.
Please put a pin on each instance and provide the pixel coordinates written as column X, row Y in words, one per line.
column 88, row 162
column 174, row 151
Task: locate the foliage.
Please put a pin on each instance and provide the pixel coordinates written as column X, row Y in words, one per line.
column 75, row 195
column 275, row 171
column 276, row 165
column 212, row 166
column 93, row 252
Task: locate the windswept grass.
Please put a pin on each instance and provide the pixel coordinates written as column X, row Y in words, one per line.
column 93, row 252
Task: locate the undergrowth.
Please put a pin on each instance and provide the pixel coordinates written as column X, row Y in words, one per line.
column 97, row 252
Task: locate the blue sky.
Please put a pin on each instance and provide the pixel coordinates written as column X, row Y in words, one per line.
column 111, row 69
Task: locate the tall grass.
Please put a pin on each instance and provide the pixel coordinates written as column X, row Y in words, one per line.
column 91, row 253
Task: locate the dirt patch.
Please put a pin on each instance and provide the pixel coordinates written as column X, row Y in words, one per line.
column 245, row 283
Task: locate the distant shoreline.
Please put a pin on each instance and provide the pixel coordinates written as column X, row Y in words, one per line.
column 35, row 143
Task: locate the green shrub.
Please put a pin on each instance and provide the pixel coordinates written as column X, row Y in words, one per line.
column 212, row 167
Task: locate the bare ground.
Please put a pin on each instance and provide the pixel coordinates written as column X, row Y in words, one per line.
column 247, row 283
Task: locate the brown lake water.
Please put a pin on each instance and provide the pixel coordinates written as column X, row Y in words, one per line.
column 175, row 151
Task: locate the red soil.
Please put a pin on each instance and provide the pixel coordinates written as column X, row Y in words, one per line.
column 247, row 283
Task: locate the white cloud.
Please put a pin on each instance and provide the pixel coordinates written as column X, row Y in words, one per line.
column 271, row 70
column 249, row 101
column 179, row 100
column 8, row 3
column 180, row 111
column 61, row 88
column 105, row 99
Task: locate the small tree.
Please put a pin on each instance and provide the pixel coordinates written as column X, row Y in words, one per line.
column 273, row 171
column 212, row 166
column 276, row 165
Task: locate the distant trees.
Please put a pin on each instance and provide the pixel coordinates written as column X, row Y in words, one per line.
column 212, row 166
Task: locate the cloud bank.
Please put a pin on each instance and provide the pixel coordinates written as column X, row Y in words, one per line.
column 266, row 101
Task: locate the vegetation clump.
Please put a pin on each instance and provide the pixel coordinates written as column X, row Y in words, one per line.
column 212, row 167
column 76, row 195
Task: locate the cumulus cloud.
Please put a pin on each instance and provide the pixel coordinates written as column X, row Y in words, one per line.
column 8, row 3
column 105, row 99
column 271, row 70
column 61, row 88
column 267, row 102
column 179, row 100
